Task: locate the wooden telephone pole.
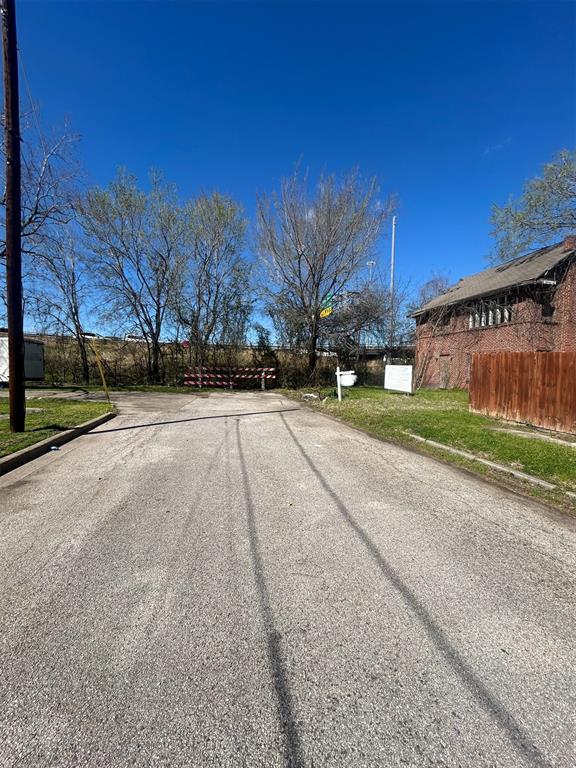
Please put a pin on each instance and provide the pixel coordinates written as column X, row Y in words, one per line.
column 13, row 219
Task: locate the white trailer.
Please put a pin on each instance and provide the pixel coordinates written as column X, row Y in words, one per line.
column 33, row 360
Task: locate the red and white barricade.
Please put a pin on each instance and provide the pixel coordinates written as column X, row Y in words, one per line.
column 229, row 378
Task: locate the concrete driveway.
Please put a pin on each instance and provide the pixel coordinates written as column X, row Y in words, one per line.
column 232, row 581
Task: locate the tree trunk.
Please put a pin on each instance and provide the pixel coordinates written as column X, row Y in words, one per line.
column 312, row 344
column 155, row 367
column 149, row 363
column 312, row 360
column 85, row 363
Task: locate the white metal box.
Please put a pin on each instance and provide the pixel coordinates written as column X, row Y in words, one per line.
column 33, row 360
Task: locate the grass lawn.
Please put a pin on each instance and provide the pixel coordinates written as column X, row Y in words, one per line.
column 443, row 416
column 54, row 416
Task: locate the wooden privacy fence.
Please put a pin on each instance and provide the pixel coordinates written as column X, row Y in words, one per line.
column 534, row 387
column 229, row 378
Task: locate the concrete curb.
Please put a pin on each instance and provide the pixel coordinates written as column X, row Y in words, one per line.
column 491, row 464
column 17, row 459
column 499, row 467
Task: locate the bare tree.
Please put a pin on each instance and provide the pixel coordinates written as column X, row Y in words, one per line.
column 312, row 248
column 437, row 284
column 49, row 174
column 355, row 312
column 136, row 241
column 60, row 291
column 212, row 298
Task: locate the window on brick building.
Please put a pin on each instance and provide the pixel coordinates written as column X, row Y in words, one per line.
column 548, row 309
column 489, row 312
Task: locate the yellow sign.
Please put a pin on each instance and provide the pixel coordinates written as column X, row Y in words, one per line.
column 326, row 312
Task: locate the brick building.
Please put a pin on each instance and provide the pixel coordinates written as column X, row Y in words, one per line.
column 527, row 304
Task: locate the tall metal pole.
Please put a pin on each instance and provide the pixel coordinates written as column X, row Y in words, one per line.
column 392, row 265
column 13, row 219
column 392, row 255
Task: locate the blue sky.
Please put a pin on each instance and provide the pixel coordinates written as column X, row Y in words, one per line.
column 451, row 105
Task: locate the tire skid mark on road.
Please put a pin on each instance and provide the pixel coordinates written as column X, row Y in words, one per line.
column 68, row 514
column 294, row 757
column 181, row 550
column 142, row 633
column 181, row 556
column 133, row 646
column 77, row 528
column 157, row 583
column 516, row 734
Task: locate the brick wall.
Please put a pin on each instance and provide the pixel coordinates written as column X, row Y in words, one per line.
column 444, row 352
column 565, row 313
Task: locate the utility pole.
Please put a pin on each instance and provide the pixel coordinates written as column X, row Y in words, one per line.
column 13, row 219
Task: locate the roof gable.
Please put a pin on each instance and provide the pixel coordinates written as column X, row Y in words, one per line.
column 520, row 271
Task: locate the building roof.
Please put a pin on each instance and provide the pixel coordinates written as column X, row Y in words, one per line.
column 521, row 271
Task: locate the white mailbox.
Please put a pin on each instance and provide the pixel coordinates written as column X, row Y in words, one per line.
column 348, row 378
column 344, row 379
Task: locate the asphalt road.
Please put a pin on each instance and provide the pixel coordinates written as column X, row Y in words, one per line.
column 230, row 581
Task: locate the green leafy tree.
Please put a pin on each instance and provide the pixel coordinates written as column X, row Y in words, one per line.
column 544, row 213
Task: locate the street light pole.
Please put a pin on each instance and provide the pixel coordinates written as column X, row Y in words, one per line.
column 392, row 266
column 393, row 255
column 13, row 219
column 370, row 265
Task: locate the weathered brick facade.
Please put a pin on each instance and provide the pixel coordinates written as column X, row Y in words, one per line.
column 541, row 318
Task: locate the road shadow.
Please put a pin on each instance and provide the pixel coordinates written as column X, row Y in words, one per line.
column 284, row 700
column 489, row 702
column 192, row 418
